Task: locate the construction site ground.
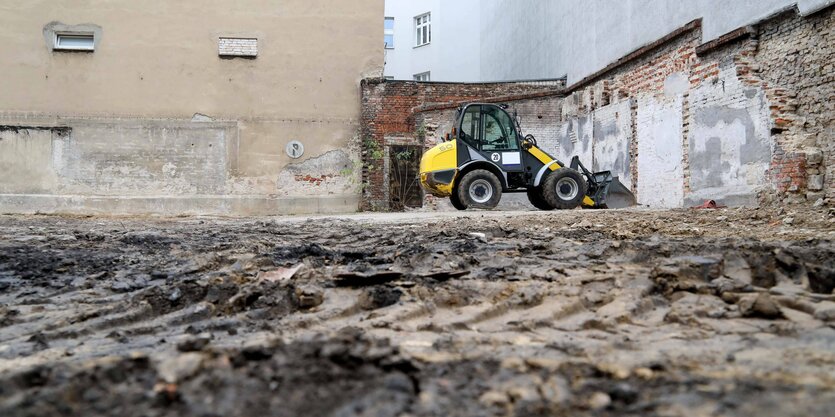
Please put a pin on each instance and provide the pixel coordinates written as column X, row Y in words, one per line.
column 724, row 312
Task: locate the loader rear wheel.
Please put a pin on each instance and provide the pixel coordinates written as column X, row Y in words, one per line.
column 456, row 202
column 538, row 200
column 564, row 189
column 480, row 189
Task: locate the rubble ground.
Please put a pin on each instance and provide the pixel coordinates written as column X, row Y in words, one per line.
column 636, row 312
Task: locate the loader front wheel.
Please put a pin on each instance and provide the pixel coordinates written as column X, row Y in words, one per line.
column 538, row 200
column 564, row 189
column 456, row 202
column 480, row 189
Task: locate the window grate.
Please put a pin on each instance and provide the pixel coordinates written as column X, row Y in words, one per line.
column 74, row 42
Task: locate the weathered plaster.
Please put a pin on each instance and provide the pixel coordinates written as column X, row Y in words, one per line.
column 155, row 113
column 612, row 140
column 335, row 174
column 661, row 175
column 729, row 142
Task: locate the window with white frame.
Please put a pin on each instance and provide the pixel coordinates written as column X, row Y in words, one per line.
column 74, row 42
column 423, row 29
column 389, row 33
column 423, row 76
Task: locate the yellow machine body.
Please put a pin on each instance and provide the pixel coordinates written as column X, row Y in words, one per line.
column 439, row 169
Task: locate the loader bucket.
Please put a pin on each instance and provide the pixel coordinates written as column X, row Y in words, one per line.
column 605, row 189
column 619, row 196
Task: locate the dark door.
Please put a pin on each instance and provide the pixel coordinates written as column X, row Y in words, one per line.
column 404, row 177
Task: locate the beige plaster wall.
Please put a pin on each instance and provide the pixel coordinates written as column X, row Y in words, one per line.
column 156, row 64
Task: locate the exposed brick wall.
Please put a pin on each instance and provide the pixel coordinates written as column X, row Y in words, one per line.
column 399, row 109
column 796, row 61
column 788, row 60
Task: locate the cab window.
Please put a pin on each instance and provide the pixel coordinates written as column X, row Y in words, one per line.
column 499, row 131
column 471, row 126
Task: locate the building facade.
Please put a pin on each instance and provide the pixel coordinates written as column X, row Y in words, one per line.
column 501, row 40
column 433, row 40
column 233, row 107
column 528, row 39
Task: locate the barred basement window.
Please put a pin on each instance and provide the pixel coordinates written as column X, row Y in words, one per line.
column 237, row 47
column 74, row 42
column 423, row 29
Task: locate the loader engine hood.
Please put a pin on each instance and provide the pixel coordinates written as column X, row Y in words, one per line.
column 438, row 169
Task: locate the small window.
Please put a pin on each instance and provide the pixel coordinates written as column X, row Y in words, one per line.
column 389, row 33
column 423, row 77
column 423, row 29
column 74, row 42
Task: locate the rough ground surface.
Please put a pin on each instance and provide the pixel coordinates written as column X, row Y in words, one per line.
column 714, row 313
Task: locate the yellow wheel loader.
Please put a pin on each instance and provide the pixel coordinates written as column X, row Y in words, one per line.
column 486, row 156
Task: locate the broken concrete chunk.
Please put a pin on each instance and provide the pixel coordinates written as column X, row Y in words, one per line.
column 379, row 297
column 821, row 279
column 763, row 269
column 825, row 310
column 179, row 368
column 738, row 269
column 761, row 306
column 195, row 344
column 800, row 318
column 280, row 274
column 599, row 401
column 724, row 285
column 309, row 296
column 479, row 236
column 555, row 390
column 686, row 273
column 494, row 398
column 688, row 306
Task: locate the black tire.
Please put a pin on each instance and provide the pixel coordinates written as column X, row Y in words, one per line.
column 537, row 200
column 564, row 189
column 480, row 189
column 456, row 202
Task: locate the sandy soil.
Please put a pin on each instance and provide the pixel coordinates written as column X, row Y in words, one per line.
column 700, row 313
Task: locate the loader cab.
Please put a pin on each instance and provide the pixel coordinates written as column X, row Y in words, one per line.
column 491, row 134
